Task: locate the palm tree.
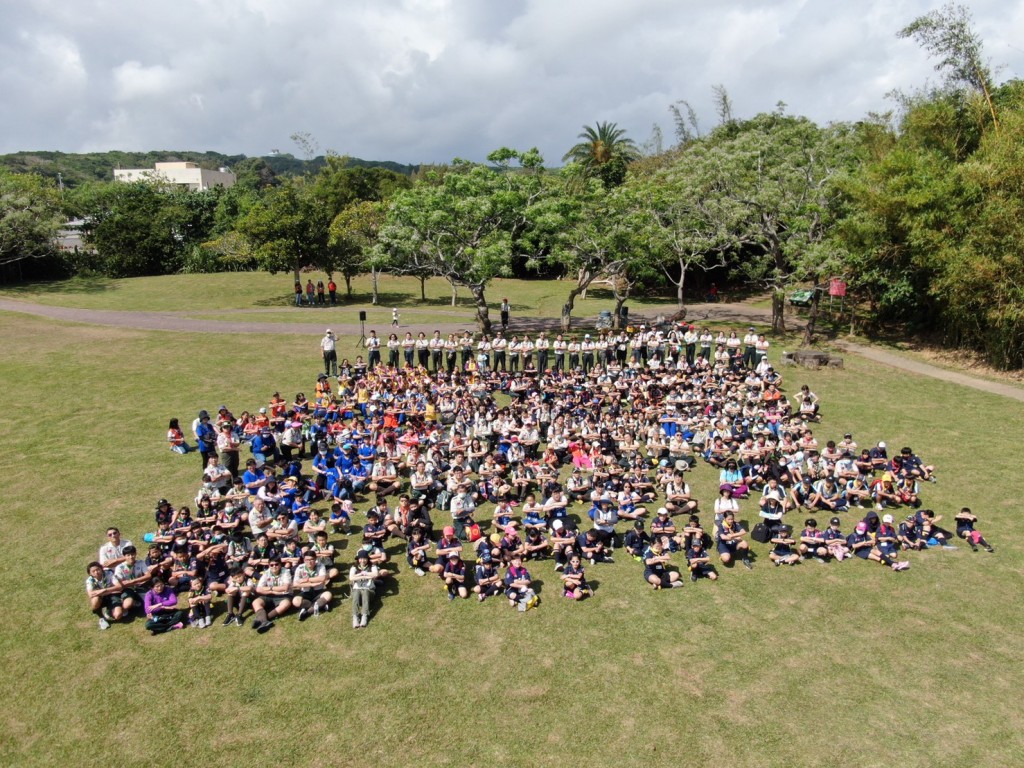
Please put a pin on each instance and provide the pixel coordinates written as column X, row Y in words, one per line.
column 604, row 153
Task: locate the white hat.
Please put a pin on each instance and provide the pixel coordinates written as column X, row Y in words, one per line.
column 328, row 330
column 881, row 444
column 662, row 511
column 887, row 518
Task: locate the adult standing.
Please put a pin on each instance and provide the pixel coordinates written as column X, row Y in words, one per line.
column 750, row 348
column 466, row 347
column 423, row 351
column 328, row 345
column 227, row 449
column 505, row 307
column 362, row 576
column 559, row 347
column 542, row 346
column 499, row 345
column 436, row 346
column 332, row 291
column 373, row 350
column 394, row 345
column 310, row 292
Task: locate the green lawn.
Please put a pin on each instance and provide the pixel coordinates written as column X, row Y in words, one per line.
column 814, row 665
column 204, row 294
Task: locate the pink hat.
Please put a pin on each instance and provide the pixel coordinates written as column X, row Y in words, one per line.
column 448, row 530
column 862, row 527
column 510, row 530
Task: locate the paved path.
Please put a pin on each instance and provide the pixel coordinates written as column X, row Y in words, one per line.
column 696, row 313
column 924, row 369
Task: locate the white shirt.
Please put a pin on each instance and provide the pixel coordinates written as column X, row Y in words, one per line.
column 269, row 581
column 112, row 551
column 327, row 343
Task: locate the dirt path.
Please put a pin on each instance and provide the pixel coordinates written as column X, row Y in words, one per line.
column 697, row 313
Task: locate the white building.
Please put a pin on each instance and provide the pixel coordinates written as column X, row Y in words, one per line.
column 185, row 174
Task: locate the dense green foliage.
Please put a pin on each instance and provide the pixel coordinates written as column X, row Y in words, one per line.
column 30, row 216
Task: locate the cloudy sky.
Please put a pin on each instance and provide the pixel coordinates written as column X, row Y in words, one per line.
column 429, row 80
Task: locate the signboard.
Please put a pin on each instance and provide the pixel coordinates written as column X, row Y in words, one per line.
column 836, row 287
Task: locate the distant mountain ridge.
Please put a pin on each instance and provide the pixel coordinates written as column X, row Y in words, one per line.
column 77, row 168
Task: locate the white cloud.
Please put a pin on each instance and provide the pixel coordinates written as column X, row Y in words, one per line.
column 426, row 80
column 132, row 80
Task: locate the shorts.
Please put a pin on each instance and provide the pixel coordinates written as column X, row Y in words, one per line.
column 273, row 601
column 725, row 548
column 112, row 601
column 663, row 576
column 129, row 594
column 863, row 553
column 312, row 595
column 703, row 571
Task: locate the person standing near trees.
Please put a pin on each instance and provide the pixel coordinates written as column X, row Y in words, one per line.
column 310, row 292
column 373, row 350
column 328, row 345
column 543, row 347
column 505, row 307
column 332, row 291
column 298, row 294
column 750, row 348
column 320, row 293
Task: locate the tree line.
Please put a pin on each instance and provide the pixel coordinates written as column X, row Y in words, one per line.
column 919, row 210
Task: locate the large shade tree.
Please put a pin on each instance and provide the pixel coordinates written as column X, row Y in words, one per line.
column 460, row 223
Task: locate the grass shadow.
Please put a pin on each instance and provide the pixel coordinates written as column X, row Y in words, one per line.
column 83, row 284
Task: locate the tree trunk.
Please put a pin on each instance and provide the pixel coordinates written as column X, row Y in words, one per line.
column 373, row 282
column 680, row 284
column 482, row 313
column 778, row 307
column 621, row 297
column 298, row 275
column 812, row 319
column 423, row 288
column 348, row 286
column 455, row 293
column 582, row 281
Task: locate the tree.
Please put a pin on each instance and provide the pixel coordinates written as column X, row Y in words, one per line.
column 947, row 35
column 144, row 228
column 773, row 179
column 30, row 216
column 287, row 230
column 460, row 225
column 603, row 153
column 686, row 218
column 354, row 230
column 587, row 232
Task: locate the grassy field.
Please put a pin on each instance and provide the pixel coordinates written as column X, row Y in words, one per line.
column 203, row 294
column 814, row 665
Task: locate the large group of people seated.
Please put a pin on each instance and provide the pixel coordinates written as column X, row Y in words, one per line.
column 478, row 471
